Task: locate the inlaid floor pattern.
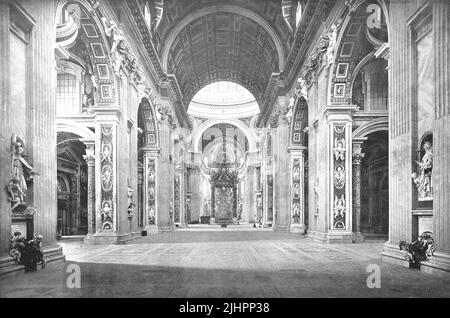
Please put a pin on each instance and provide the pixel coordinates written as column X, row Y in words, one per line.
column 231, row 262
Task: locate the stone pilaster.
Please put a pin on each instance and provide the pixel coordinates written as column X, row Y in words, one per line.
column 356, row 194
column 106, row 203
column 281, row 176
column 297, row 193
column 150, row 187
column 90, row 161
column 441, row 138
column 250, row 194
column 339, row 125
column 165, row 177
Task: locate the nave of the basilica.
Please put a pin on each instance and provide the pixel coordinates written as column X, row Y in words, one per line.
column 321, row 127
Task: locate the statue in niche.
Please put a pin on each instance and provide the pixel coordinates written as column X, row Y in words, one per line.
column 205, row 209
column 423, row 181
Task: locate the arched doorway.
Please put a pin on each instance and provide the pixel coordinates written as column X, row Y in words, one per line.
column 72, row 186
column 375, row 185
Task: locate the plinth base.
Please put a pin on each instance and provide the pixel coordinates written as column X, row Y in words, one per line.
column 105, row 238
column 298, row 228
column 358, row 237
column 330, row 237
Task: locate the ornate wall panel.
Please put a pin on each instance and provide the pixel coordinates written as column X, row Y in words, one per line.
column 340, row 180
column 177, row 199
column 296, row 192
column 151, row 190
column 107, row 214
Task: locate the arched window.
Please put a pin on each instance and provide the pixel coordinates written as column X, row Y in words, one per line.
column 67, row 95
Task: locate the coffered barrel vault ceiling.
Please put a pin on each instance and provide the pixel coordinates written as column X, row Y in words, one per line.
column 223, row 47
column 202, row 42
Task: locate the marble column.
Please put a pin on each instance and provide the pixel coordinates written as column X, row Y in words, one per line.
column 356, row 194
column 297, row 193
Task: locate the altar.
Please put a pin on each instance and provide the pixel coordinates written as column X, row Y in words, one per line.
column 224, row 195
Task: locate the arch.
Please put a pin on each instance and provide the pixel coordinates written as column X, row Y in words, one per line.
column 147, row 122
column 209, row 123
column 222, row 8
column 352, row 70
column 229, row 146
column 85, row 133
column 299, row 121
column 91, row 32
column 375, row 125
column 365, row 60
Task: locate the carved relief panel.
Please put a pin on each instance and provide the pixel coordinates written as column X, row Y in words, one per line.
column 107, row 177
column 339, row 178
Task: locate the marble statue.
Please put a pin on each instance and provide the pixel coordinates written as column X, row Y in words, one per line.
column 332, row 35
column 118, row 45
column 21, row 169
column 21, row 172
column 16, row 195
column 423, row 181
column 302, row 89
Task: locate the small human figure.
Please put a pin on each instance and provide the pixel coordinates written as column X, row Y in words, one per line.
column 419, row 250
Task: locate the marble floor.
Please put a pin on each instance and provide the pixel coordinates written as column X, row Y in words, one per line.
column 237, row 261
